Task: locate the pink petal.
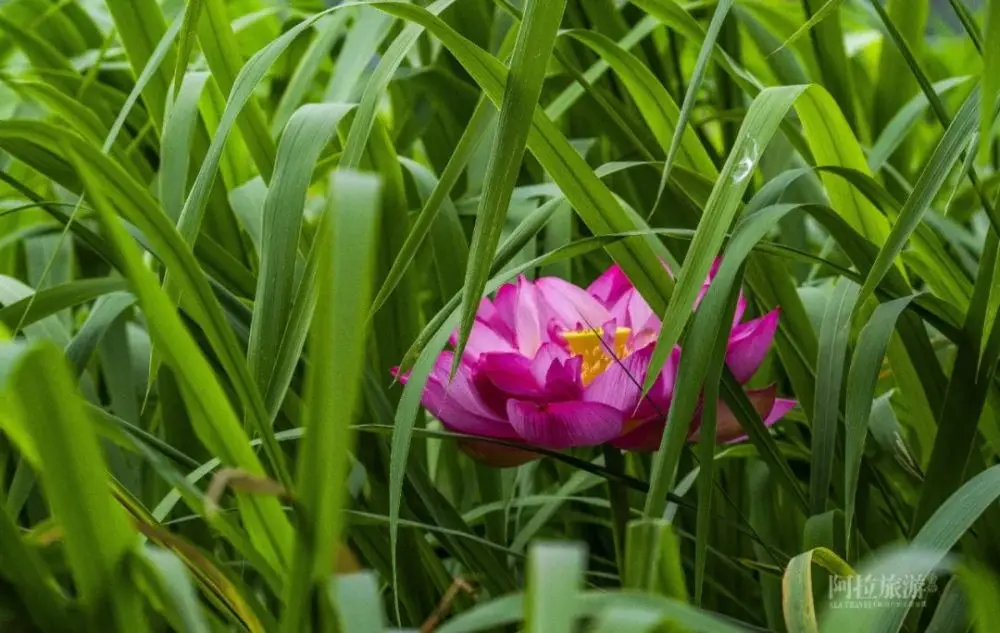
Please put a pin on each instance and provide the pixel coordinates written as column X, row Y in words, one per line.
column 741, row 308
column 458, row 405
column 510, row 372
column 714, row 270
column 496, row 455
column 558, row 373
column 528, row 317
column 657, row 401
column 505, row 308
column 749, row 344
column 778, row 411
column 619, row 310
column 572, row 307
column 620, row 385
column 610, row 286
column 728, row 428
column 484, row 340
column 645, row 437
column 562, row 425
column 640, row 315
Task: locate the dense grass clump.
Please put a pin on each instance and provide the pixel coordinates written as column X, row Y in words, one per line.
column 380, row 315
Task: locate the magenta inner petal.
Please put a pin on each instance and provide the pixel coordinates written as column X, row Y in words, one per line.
column 510, row 373
column 610, row 286
column 780, row 408
column 458, row 405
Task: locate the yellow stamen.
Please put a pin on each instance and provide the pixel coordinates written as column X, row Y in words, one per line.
column 596, row 355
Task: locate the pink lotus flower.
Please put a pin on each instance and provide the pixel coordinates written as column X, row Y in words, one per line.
column 551, row 365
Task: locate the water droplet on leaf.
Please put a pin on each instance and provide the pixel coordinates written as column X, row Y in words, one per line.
column 746, row 163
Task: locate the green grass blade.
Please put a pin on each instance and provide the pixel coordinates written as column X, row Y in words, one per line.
column 532, row 49
column 941, row 163
column 337, row 349
column 358, row 602
column 991, row 78
column 760, row 124
column 215, row 421
column 591, row 199
column 362, row 43
column 694, row 85
column 364, row 119
column 96, row 533
column 555, row 571
column 218, row 43
column 175, row 150
column 828, row 8
column 328, row 31
column 24, row 570
column 171, row 585
column 895, row 83
column 307, row 133
column 861, row 383
column 834, row 338
column 481, row 120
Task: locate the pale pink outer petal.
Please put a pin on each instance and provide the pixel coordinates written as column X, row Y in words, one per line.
column 530, row 318
column 490, row 315
column 505, row 305
column 562, row 425
column 483, row 339
column 572, row 307
column 749, row 344
column 610, row 286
